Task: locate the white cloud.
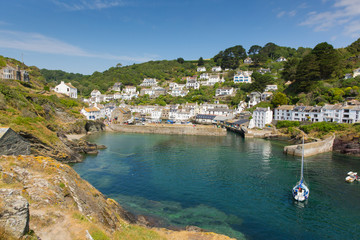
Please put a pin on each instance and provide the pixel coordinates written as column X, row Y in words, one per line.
column 344, row 13
column 42, row 44
column 77, row 5
column 284, row 13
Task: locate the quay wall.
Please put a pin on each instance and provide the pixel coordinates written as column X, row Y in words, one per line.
column 169, row 129
column 311, row 149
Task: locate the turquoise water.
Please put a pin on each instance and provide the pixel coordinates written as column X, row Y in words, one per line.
column 230, row 185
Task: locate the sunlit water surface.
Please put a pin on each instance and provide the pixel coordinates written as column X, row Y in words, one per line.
column 230, row 185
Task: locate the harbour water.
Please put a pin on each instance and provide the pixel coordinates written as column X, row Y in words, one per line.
column 229, row 185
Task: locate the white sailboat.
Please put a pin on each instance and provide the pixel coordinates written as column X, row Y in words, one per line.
column 301, row 191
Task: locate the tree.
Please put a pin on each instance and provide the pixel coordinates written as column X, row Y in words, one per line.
column 327, row 59
column 290, row 66
column 254, row 49
column 307, row 72
column 279, row 99
column 201, row 62
column 180, row 60
column 230, row 57
column 118, row 65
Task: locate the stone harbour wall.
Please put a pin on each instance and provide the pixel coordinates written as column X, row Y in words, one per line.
column 169, row 129
column 311, row 149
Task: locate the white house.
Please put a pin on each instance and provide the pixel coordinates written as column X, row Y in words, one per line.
column 201, row 69
column 67, row 89
column 149, row 82
column 95, row 93
column 224, row 91
column 264, row 70
column 178, row 92
column 129, row 89
column 241, row 106
column 261, row 117
column 266, row 96
column 271, row 88
column 91, row 113
column 204, row 76
column 281, row 59
column 216, row 69
column 356, row 72
column 192, row 83
column 254, row 99
column 215, row 78
column 248, row 60
column 283, row 112
column 243, row 77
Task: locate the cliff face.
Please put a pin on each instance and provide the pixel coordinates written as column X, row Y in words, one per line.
column 64, row 206
column 348, row 144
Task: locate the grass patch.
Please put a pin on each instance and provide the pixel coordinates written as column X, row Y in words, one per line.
column 137, row 232
column 97, row 234
column 80, row 217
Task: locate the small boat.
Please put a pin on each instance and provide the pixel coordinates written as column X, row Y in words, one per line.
column 352, row 176
column 301, row 191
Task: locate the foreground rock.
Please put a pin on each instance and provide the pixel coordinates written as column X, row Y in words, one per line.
column 64, row 206
column 14, row 212
column 348, row 144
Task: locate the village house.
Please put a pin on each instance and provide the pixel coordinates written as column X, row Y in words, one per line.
column 281, row 59
column 204, row 76
column 248, row 60
column 204, row 118
column 149, row 82
column 356, row 72
column 266, row 96
column 243, row 77
column 116, row 87
column 117, row 95
column 216, row 69
column 129, row 89
column 67, row 89
column 224, row 91
column 271, row 88
column 254, row 99
column 240, row 107
column 91, row 113
column 261, row 117
column 220, row 111
column 178, row 92
column 283, row 112
column 121, row 115
column 264, row 70
column 191, row 82
column 201, row 69
column 12, row 73
column 213, row 79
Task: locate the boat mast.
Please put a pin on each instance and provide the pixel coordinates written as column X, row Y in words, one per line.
column 302, row 160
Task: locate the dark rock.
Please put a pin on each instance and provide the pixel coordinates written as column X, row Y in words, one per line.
column 348, row 144
column 94, row 126
column 14, row 213
column 194, row 229
column 12, row 143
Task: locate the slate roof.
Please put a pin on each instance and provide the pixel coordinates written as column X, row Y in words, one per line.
column 205, row 116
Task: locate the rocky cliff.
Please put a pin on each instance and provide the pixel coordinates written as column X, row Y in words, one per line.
column 64, row 206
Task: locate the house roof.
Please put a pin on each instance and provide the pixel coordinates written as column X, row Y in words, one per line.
column 3, row 130
column 205, row 116
column 285, row 107
column 92, row 109
column 70, row 86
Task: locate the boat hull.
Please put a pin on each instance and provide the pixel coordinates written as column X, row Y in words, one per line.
column 300, row 192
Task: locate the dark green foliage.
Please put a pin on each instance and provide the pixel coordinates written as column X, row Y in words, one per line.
column 279, row 99
column 323, row 127
column 180, row 60
column 230, row 58
column 259, row 81
column 254, row 49
column 290, row 67
column 201, row 62
column 307, row 72
column 58, row 75
column 327, row 59
column 287, row 124
column 354, row 48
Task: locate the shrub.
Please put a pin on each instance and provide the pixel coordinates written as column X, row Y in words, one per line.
column 323, row 127
column 287, row 124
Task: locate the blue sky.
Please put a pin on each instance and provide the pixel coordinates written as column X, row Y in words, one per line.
column 93, row 35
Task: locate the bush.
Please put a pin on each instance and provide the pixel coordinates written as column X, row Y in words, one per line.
column 323, row 127
column 287, row 124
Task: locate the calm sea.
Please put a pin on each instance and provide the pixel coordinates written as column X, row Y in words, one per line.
column 229, row 185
